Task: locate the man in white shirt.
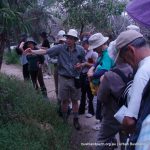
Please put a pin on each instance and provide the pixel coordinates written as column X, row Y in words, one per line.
column 135, row 51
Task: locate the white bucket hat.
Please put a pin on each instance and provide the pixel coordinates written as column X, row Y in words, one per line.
column 133, row 27
column 97, row 40
column 73, row 33
column 61, row 33
column 60, row 36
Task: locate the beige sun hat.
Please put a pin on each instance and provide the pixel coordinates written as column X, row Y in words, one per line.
column 97, row 40
column 73, row 33
column 133, row 27
column 60, row 36
column 127, row 37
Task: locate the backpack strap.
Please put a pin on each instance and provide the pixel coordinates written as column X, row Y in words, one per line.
column 146, row 90
column 121, row 74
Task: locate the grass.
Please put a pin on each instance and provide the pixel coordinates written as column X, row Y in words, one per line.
column 11, row 57
column 27, row 120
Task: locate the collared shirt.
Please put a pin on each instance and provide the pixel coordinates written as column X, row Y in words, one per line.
column 90, row 57
column 67, row 59
column 104, row 61
column 141, row 78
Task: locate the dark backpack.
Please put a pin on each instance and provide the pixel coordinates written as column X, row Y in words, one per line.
column 122, row 99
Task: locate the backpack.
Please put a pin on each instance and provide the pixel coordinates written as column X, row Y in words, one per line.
column 122, row 99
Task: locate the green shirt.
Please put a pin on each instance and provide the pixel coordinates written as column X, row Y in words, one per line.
column 104, row 62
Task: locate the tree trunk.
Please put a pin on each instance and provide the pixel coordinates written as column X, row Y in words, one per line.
column 81, row 31
column 2, row 47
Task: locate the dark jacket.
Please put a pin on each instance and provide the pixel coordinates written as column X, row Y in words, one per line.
column 109, row 92
column 34, row 61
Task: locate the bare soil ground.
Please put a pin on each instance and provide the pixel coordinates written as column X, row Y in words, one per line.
column 85, row 135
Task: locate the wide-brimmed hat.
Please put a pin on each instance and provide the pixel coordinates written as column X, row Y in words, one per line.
column 133, row 27
column 97, row 40
column 29, row 40
column 73, row 33
column 127, row 37
column 60, row 36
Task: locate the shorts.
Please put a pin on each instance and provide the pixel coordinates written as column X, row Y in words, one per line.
column 67, row 89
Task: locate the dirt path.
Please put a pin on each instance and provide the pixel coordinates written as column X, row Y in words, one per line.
column 16, row 70
column 86, row 135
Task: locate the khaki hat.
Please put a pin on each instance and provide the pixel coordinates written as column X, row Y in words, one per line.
column 127, row 37
column 97, row 40
column 73, row 33
column 133, row 27
column 61, row 33
column 60, row 36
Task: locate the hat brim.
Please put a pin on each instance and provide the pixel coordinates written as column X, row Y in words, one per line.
column 31, row 42
column 66, row 35
column 91, row 47
column 62, row 39
column 26, row 44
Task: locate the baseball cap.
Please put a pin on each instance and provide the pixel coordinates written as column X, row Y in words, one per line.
column 127, row 37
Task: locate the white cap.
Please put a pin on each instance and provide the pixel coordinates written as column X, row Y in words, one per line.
column 97, row 40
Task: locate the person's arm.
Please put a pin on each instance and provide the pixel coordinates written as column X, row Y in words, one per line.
column 90, row 64
column 136, row 94
column 54, row 51
column 129, row 121
column 106, row 63
column 104, row 90
column 39, row 52
column 81, row 58
column 21, row 46
column 99, row 73
column 90, row 72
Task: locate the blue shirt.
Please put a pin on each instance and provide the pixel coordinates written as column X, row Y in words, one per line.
column 67, row 59
column 23, row 59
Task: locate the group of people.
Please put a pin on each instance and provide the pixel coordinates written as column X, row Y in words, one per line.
column 96, row 68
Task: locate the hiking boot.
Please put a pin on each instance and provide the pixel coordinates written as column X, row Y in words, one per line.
column 76, row 123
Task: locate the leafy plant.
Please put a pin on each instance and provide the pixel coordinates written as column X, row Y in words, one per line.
column 27, row 120
column 11, row 57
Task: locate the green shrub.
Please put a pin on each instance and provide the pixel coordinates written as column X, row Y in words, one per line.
column 11, row 57
column 27, row 120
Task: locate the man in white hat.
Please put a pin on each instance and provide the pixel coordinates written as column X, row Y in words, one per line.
column 60, row 39
column 70, row 57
